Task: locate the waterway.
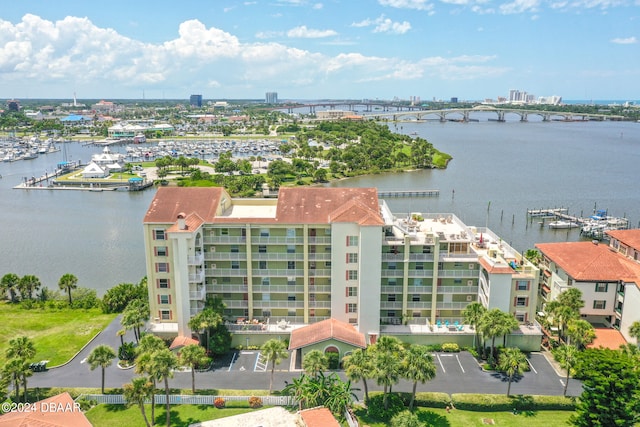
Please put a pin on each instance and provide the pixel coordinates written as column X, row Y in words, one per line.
column 499, row 170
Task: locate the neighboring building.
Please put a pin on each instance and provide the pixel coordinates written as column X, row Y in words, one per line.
column 271, row 97
column 318, row 253
column 133, row 130
column 34, row 115
column 195, row 101
column 609, row 281
column 337, row 115
column 56, row 411
column 626, row 242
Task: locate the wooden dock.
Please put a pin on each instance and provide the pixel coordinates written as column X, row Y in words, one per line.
column 417, row 193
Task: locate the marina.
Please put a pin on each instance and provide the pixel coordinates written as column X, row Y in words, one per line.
column 594, row 226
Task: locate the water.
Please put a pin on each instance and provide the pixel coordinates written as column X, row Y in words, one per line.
column 506, row 167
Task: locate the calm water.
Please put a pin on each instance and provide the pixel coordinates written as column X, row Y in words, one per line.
column 509, row 167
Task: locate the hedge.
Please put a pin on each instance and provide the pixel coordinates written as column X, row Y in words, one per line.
column 501, row 402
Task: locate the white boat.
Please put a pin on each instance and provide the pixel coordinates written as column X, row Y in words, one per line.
column 563, row 224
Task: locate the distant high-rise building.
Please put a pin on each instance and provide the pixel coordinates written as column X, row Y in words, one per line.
column 271, row 97
column 195, row 101
column 13, row 105
column 454, row 100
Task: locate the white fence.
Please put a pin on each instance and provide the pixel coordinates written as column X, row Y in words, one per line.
column 177, row 399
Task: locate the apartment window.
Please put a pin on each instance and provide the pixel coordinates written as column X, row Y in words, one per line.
column 224, row 231
column 262, row 249
column 266, row 281
column 159, row 235
column 266, row 297
column 457, row 264
column 163, row 283
column 391, row 314
column 521, row 301
column 327, row 264
column 522, row 285
column 291, row 249
column 165, row 314
column 235, row 265
column 291, row 312
column 521, row 317
column 391, row 266
column 602, row 287
column 327, row 249
column 291, row 297
column 417, row 281
column 415, row 298
column 234, row 249
column 226, row 279
column 162, row 267
column 291, row 281
column 266, row 313
column 352, row 240
column 262, row 265
column 291, row 232
column 391, row 297
column 264, row 232
column 164, row 299
column 352, row 291
column 352, row 258
column 291, row 265
column 599, row 304
column 426, row 249
column 161, row 250
column 457, row 281
column 419, row 266
column 392, row 282
column 351, row 308
column 352, row 274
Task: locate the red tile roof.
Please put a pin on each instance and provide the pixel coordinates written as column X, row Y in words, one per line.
column 608, row 338
column 586, row 261
column 630, row 238
column 182, row 341
column 56, row 411
column 319, row 417
column 170, row 201
column 326, row 330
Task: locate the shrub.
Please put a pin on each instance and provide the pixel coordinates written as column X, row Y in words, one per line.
column 375, row 406
column 334, row 360
column 429, row 399
column 255, row 402
column 127, row 352
column 501, row 402
column 219, row 403
column 450, row 347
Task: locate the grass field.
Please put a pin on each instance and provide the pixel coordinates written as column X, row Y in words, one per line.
column 57, row 334
column 457, row 418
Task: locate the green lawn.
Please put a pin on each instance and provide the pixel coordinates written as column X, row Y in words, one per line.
column 458, row 418
column 181, row 415
column 57, row 334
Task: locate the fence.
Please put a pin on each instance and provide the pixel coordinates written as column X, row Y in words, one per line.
column 177, row 399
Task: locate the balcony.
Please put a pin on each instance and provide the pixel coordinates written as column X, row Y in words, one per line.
column 420, row 289
column 226, row 272
column 277, row 256
column 452, row 305
column 211, row 288
column 234, row 303
column 420, row 273
column 276, row 240
column 419, row 305
column 315, row 240
column 319, row 304
column 225, row 256
column 197, row 277
column 320, row 256
column 397, row 257
column 272, row 272
column 195, row 259
column 198, row 295
column 457, row 290
column 319, row 289
column 392, row 273
column 459, row 273
column 214, row 240
column 390, row 305
column 320, row 272
column 265, row 305
column 294, row 289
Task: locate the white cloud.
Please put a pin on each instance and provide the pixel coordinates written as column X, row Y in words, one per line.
column 406, row 4
column 308, row 33
column 519, row 6
column 384, row 25
column 628, row 40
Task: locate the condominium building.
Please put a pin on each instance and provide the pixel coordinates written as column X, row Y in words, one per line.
column 317, row 253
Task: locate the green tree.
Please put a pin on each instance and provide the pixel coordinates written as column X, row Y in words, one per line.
column 405, row 419
column 580, row 333
column 67, row 283
column 315, row 361
column 490, row 328
column 14, row 370
column 359, row 366
column 116, row 299
column 567, row 356
column 417, row 366
column 204, row 322
column 610, row 395
column 274, row 351
column 341, row 395
column 298, row 389
column 101, row 356
column 21, row 348
column 137, row 392
column 134, row 316
column 146, row 365
column 387, row 357
column 10, row 283
column 165, row 362
column 193, row 355
column 513, row 362
column 473, row 316
column 28, row 285
column 634, row 331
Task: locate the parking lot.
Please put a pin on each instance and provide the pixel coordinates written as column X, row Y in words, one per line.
column 253, row 361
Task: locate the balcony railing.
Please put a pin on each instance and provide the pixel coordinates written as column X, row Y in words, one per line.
column 386, row 305
column 198, row 295
column 319, row 272
column 319, row 304
column 214, row 240
column 234, row 303
column 399, row 257
column 459, row 273
column 276, row 240
column 277, row 256
column 420, row 289
column 315, row 240
column 195, row 259
column 196, row 277
column 392, row 273
column 452, row 305
column 225, row 256
column 457, row 290
column 319, row 289
column 420, row 273
column 273, row 272
column 419, row 305
column 218, row 288
column 226, row 272
column 294, row 289
column 320, row 256
column 265, row 305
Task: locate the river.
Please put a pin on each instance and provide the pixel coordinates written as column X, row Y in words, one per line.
column 498, row 171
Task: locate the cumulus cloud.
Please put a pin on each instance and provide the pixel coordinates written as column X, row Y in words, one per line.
column 519, row 6
column 628, row 40
column 406, row 4
column 384, row 25
column 309, row 33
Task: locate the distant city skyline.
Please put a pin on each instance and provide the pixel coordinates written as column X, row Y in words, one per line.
column 465, row 49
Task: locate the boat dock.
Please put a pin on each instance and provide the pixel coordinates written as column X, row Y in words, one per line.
column 594, row 226
column 418, row 193
column 546, row 213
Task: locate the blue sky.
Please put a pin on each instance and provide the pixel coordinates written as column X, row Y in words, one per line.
column 356, row 49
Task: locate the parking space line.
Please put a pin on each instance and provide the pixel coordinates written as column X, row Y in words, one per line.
column 441, row 365
column 458, row 359
column 531, row 366
column 233, row 359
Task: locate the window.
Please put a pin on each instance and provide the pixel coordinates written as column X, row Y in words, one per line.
column 266, row 281
column 457, row 264
column 159, row 235
column 291, row 297
column 521, row 317
column 391, row 314
column 264, row 232
column 165, row 314
column 352, row 291
column 602, row 287
column 352, row 240
column 352, row 258
column 457, row 281
column 291, row 312
column 224, row 231
column 291, row 265
column 164, row 299
column 392, row 282
column 419, row 266
column 161, row 251
column 522, row 285
column 234, row 249
column 391, row 265
column 327, row 264
column 291, row 249
column 266, row 313
column 291, row 281
column 235, row 265
column 391, row 297
column 262, row 265
column 162, row 267
column 417, row 281
column 599, row 304
column 352, row 274
column 262, row 249
column 415, row 298
column 521, row 301
column 226, row 279
column 266, row 297
column 352, row 308
column 291, row 232
column 426, row 249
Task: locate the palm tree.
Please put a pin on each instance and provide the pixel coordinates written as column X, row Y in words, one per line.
column 68, row 282
column 315, row 361
column 341, row 395
column 206, row 320
column 512, row 361
column 417, row 365
column 102, row 356
column 13, row 370
column 193, row 355
column 358, row 366
column 135, row 314
column 9, row 283
column 297, row 389
column 488, row 326
column 145, row 364
column 508, row 323
column 165, row 362
column 567, row 356
column 274, row 351
column 473, row 316
column 137, row 392
column 21, row 348
column 28, row 285
column 634, row 331
column 580, row 333
column 386, row 359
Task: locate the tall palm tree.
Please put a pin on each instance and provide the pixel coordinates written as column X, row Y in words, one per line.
column 21, row 348
column 580, row 333
column 13, row 370
column 68, row 282
column 137, row 392
column 193, row 355
column 359, row 366
column 567, row 356
column 315, row 361
column 508, row 323
column 28, row 285
column 386, row 359
column 274, row 351
column 204, row 321
column 489, row 328
column 512, row 361
column 417, row 366
column 146, row 365
column 473, row 316
column 165, row 362
column 134, row 316
column 9, row 283
column 634, row 331
column 101, row 356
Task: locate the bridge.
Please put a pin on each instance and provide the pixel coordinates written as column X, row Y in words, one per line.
column 464, row 114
